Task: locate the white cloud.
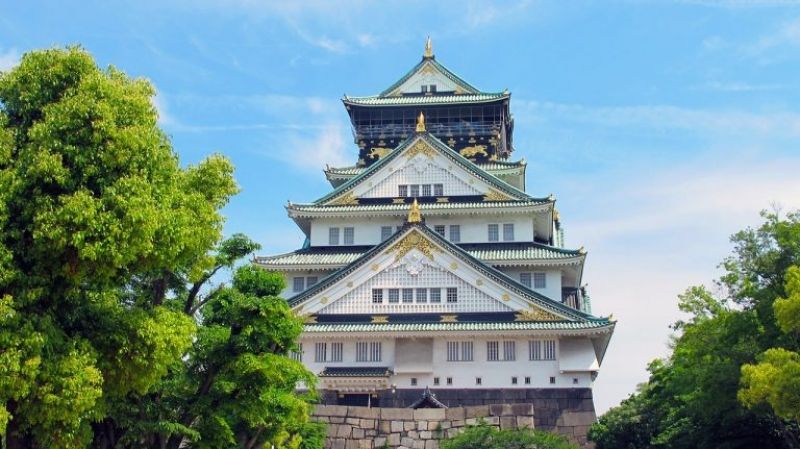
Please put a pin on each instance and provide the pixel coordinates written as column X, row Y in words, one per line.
column 738, row 86
column 164, row 117
column 787, row 34
column 9, row 59
column 326, row 147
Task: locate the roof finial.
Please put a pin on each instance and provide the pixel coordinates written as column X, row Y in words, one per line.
column 414, row 215
column 421, row 122
column 428, row 49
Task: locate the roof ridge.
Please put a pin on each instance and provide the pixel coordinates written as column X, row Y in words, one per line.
column 444, row 70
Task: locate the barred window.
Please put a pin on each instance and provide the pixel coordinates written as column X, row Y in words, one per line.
column 414, row 190
column 478, row 381
column 436, row 295
column 492, row 351
column 539, row 280
column 333, row 236
column 452, row 351
column 402, row 190
column 508, row 232
column 336, row 352
column 426, row 190
column 439, row 229
column 298, row 284
column 394, row 295
column 386, row 232
column 422, row 295
column 349, row 236
column 549, row 349
column 452, row 294
column 320, row 352
column 297, row 354
column 542, row 350
column 494, row 233
column 438, row 189
column 525, row 279
column 459, row 351
column 408, row 295
column 455, row 233
column 311, row 280
column 377, row 296
column 535, row 350
column 509, row 351
column 362, row 351
column 375, row 351
column 466, row 351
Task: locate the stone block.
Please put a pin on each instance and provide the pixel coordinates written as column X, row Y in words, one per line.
column 337, row 419
column 353, row 421
column 496, row 409
column 397, row 413
column 358, row 432
column 426, row 435
column 492, row 420
column 338, row 443
column 393, row 439
column 419, row 444
column 435, row 425
column 406, row 441
column 444, row 425
column 385, row 427
column 471, row 421
column 367, row 423
column 525, row 421
column 371, row 432
column 344, row 431
column 459, row 423
column 364, row 412
column 409, row 425
column 351, row 444
column 333, row 430
column 365, row 444
column 422, row 425
column 378, row 442
column 454, row 413
column 521, row 409
column 431, row 444
column 508, row 422
column 397, row 426
column 330, row 410
column 429, row 414
column 453, row 432
column 477, row 411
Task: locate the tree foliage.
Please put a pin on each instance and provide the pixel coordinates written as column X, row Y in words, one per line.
column 484, row 436
column 692, row 398
column 110, row 334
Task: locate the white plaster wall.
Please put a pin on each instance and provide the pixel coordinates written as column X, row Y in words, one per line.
column 424, row 171
column 289, row 276
column 552, row 280
column 473, row 230
column 348, row 353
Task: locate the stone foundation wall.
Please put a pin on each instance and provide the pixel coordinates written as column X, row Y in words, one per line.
column 404, row 428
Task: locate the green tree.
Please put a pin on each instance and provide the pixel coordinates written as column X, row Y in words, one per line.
column 484, row 436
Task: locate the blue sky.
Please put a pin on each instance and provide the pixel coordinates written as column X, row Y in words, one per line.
column 662, row 127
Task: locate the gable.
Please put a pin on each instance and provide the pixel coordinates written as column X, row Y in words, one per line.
column 416, row 258
column 428, row 71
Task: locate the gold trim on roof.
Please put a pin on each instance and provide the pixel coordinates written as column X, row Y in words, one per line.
column 379, row 319
column 536, row 314
column 421, row 122
column 448, row 318
column 348, row 199
column 494, row 195
column 428, row 48
column 421, row 147
column 414, row 240
column 414, row 215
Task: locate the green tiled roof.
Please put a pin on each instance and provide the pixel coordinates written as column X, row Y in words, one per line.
column 444, row 70
column 599, row 324
column 356, row 371
column 425, row 207
column 448, row 152
column 429, row 100
column 491, row 167
column 486, row 253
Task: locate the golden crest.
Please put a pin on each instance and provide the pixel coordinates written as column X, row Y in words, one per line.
column 443, row 199
column 474, row 150
column 421, row 147
column 448, row 318
column 414, row 240
column 379, row 319
column 494, row 195
column 454, row 266
column 536, row 314
column 378, row 152
column 479, row 282
column 506, row 297
column 375, row 267
column 348, row 199
column 398, row 201
column 309, row 319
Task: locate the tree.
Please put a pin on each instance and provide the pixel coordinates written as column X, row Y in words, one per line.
column 108, row 328
column 484, row 436
column 690, row 399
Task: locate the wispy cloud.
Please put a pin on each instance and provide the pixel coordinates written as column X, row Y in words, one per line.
column 742, row 4
column 9, row 59
column 787, row 34
column 737, row 86
column 314, row 152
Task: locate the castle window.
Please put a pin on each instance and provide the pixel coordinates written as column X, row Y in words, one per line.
column 408, row 295
column 426, row 190
column 527, row 380
column 439, row 229
column 297, row 355
column 432, row 88
column 436, row 381
column 402, row 190
column 539, row 280
column 311, row 280
column 413, row 381
column 449, row 381
column 386, row 232
column 478, row 381
column 549, row 349
column 320, row 352
column 438, row 189
column 375, row 351
column 459, row 351
column 575, row 381
column 436, row 295
column 455, row 233
column 368, row 351
column 377, row 296
column 333, row 236
column 337, row 349
column 423, row 89
column 422, row 295
column 349, row 236
column 525, row 279
column 494, row 233
column 452, row 294
column 514, row 380
column 466, row 351
column 394, row 295
column 509, row 350
column 298, row 284
column 413, row 190
column 542, row 350
column 508, row 232
column 492, row 351
column 552, row 380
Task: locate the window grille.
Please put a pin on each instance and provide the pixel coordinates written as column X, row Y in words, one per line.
column 320, row 352
column 298, row 284
column 426, row 190
column 492, row 351
column 422, row 295
column 455, row 233
column 375, row 351
column 534, row 350
column 494, row 235
column 552, row 380
column 386, row 232
column 466, row 351
column 297, row 355
column 514, row 380
column 452, row 351
column 362, row 351
column 549, row 349
column 509, row 351
column 539, row 280
column 438, row 189
column 439, row 229
column 449, row 381
column 413, row 381
column 478, row 381
column 333, row 236
column 436, row 381
column 459, row 351
column 542, row 350
column 349, row 236
column 413, row 190
column 394, row 295
column 311, row 280
column 336, row 352
column 527, row 380
column 408, row 295
column 436, row 295
column 452, row 294
column 508, row 232
column 402, row 190
column 377, row 296
column 525, row 279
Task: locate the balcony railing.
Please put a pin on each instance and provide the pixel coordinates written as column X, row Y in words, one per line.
column 441, row 129
column 571, row 296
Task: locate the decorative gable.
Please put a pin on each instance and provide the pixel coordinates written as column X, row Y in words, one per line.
column 428, row 74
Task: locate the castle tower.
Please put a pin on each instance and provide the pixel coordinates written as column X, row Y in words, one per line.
column 429, row 265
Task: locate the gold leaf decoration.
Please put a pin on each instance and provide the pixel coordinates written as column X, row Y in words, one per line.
column 324, row 300
column 379, row 319
column 398, row 201
column 421, row 147
column 375, row 267
column 443, row 199
column 448, row 318
column 346, row 200
column 310, row 319
column 536, row 314
column 414, row 240
column 479, row 282
column 494, row 195
column 506, row 297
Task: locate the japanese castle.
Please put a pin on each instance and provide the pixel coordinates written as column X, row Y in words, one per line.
column 430, row 266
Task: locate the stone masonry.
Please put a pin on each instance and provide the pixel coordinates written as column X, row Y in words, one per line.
column 405, row 428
